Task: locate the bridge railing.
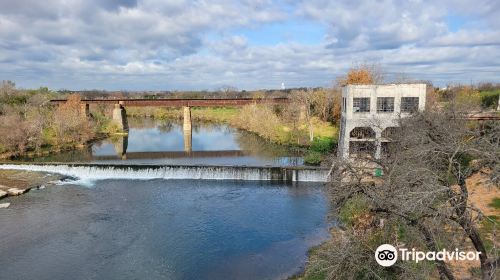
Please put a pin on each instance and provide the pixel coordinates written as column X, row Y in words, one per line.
column 182, row 102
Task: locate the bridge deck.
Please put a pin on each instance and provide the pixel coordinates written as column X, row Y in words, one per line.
column 182, row 102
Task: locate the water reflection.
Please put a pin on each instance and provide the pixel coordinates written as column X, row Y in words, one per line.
column 168, row 142
column 120, row 143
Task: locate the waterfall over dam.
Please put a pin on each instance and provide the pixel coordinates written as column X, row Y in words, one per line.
column 91, row 172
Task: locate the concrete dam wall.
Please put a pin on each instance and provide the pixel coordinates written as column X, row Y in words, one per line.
column 89, row 171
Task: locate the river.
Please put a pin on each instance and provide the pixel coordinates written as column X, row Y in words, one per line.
column 166, row 229
column 162, row 142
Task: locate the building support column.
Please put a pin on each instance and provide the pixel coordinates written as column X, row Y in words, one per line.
column 344, row 141
column 120, row 117
column 187, row 128
column 378, row 143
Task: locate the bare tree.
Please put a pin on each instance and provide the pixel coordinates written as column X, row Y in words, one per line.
column 304, row 99
column 69, row 124
column 422, row 184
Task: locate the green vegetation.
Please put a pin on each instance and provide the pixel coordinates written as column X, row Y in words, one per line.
column 221, row 115
column 477, row 97
column 320, row 147
column 489, row 98
column 323, row 145
column 213, row 114
column 352, row 211
column 489, row 225
column 495, row 203
column 313, row 158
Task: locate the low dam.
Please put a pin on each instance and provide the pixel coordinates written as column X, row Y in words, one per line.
column 100, row 171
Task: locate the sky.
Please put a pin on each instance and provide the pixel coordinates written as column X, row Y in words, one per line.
column 247, row 44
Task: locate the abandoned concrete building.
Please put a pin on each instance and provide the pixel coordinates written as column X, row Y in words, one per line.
column 370, row 113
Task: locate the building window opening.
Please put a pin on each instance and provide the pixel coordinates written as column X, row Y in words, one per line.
column 362, row 133
column 385, row 104
column 361, row 105
column 362, row 149
column 409, row 104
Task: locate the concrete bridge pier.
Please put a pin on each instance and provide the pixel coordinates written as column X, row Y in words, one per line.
column 120, row 117
column 85, row 110
column 187, row 118
column 187, row 130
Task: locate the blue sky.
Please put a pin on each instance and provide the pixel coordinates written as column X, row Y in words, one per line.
column 204, row 45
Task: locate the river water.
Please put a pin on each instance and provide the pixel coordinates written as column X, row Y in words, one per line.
column 166, row 229
column 163, row 142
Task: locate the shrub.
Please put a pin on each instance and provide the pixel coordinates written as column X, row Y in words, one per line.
column 312, row 158
column 489, row 99
column 323, row 145
column 260, row 120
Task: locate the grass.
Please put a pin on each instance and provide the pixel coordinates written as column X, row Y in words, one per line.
column 223, row 114
column 309, row 273
column 324, row 129
column 489, row 224
column 495, row 203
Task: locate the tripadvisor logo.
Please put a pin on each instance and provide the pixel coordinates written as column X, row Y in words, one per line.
column 387, row 255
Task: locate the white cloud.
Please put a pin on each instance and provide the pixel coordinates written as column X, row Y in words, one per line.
column 177, row 44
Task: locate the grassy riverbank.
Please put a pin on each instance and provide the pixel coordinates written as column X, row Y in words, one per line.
column 274, row 124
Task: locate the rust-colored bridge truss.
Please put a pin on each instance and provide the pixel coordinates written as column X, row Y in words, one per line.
column 181, row 102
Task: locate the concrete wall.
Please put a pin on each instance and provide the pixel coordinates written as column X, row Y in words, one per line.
column 377, row 121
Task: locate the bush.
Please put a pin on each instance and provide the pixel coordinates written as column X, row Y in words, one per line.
column 323, row 145
column 49, row 135
column 261, row 120
column 312, row 158
column 489, row 99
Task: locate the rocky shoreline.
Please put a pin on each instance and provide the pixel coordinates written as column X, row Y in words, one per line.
column 16, row 182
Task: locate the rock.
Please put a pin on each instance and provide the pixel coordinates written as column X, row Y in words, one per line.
column 41, row 187
column 3, row 194
column 16, row 191
column 4, row 205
